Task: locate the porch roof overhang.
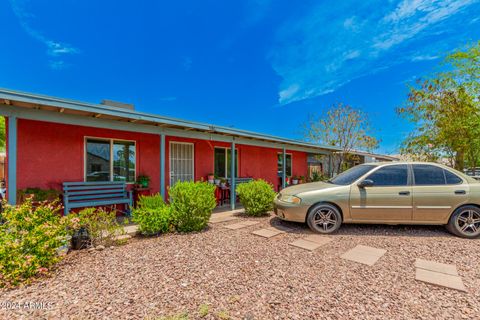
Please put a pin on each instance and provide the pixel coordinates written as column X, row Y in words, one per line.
column 51, row 109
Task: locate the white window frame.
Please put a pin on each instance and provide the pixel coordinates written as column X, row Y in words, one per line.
column 110, row 140
column 291, row 162
column 226, row 160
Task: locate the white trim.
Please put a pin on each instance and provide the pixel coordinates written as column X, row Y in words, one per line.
column 111, row 140
column 434, row 207
column 170, row 159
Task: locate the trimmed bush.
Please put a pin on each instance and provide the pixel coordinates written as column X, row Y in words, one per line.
column 101, row 225
column 192, row 204
column 256, row 197
column 151, row 202
column 29, row 241
column 152, row 221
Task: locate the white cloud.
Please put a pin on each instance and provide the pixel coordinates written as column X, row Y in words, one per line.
column 327, row 46
column 54, row 48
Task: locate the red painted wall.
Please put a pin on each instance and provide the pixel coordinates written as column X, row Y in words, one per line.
column 256, row 162
column 51, row 153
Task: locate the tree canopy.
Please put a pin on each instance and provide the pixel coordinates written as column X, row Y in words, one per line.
column 342, row 126
column 445, row 110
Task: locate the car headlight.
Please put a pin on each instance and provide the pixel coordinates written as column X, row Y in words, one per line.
column 290, row 199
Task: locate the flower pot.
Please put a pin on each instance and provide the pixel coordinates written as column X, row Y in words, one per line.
column 223, row 184
column 211, row 181
column 210, row 177
column 217, row 181
column 294, row 181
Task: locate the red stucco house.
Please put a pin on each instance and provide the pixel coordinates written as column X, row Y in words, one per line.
column 52, row 140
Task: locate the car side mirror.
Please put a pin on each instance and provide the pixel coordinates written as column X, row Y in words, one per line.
column 365, row 183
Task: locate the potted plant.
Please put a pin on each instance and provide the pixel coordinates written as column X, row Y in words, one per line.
column 217, row 180
column 294, row 180
column 301, row 179
column 210, row 177
column 143, row 180
column 223, row 182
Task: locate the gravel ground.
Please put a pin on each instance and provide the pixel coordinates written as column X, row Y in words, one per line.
column 248, row 277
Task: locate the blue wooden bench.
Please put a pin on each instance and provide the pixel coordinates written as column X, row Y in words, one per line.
column 239, row 180
column 95, row 194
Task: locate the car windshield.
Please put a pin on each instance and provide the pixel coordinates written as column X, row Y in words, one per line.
column 351, row 175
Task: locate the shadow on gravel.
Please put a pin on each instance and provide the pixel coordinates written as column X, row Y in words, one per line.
column 372, row 229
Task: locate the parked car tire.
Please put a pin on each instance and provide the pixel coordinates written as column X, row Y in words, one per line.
column 324, row 218
column 465, row 222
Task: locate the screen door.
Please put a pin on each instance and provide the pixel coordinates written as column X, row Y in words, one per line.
column 181, row 162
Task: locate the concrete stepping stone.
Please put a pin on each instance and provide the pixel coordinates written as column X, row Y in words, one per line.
column 222, row 219
column 440, row 279
column 267, row 232
column 311, row 242
column 241, row 225
column 440, row 274
column 450, row 269
column 364, row 254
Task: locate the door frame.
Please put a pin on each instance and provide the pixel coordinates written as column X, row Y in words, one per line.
column 170, row 159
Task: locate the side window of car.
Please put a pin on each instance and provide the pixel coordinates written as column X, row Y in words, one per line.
column 428, row 175
column 452, row 178
column 394, row 175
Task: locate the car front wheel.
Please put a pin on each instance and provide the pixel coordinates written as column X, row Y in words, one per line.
column 324, row 218
column 465, row 222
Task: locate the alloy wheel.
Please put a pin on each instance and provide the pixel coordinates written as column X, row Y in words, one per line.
column 325, row 219
column 468, row 222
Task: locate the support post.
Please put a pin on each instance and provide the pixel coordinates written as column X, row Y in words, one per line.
column 233, row 195
column 163, row 192
column 284, row 168
column 12, row 160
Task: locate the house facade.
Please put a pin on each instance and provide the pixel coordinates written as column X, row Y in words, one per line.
column 51, row 141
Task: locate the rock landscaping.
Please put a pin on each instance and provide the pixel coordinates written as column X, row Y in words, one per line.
column 221, row 273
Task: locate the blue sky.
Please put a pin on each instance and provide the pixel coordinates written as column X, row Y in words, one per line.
column 254, row 64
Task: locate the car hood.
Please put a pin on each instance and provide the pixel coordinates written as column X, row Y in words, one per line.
column 305, row 187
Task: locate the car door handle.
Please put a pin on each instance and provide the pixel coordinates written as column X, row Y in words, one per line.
column 460, row 192
column 404, row 193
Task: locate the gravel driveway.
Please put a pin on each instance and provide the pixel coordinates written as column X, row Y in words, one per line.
column 243, row 276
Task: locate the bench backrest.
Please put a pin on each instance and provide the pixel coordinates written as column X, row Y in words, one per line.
column 239, row 180
column 91, row 191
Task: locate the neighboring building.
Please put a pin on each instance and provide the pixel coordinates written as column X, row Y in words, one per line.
column 52, row 140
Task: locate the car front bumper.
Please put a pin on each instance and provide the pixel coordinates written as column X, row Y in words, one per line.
column 290, row 211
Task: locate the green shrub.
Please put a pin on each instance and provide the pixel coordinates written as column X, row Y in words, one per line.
column 192, row 204
column 256, row 197
column 29, row 240
column 151, row 202
column 153, row 221
column 101, row 225
column 38, row 195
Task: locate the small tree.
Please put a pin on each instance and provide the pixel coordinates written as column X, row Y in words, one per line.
column 344, row 127
column 446, row 112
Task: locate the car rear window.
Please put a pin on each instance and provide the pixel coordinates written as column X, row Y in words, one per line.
column 452, row 178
